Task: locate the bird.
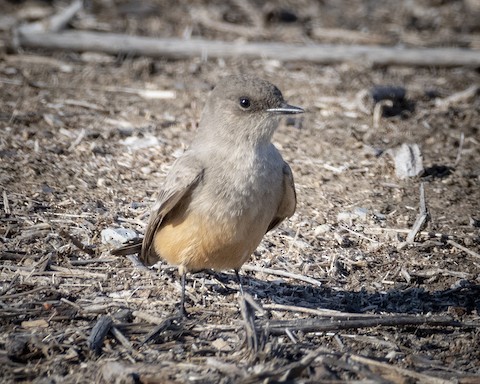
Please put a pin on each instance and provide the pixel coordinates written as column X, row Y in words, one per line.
column 228, row 189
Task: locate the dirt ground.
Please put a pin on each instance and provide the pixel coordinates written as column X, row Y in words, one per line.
column 84, row 148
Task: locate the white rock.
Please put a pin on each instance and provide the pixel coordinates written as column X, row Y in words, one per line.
column 355, row 214
column 136, row 142
column 361, row 212
column 346, row 216
column 322, row 229
column 408, row 160
column 117, row 236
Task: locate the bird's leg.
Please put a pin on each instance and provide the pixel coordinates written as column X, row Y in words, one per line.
column 239, row 278
column 182, row 312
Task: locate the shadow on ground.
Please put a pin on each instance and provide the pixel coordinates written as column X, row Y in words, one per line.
column 406, row 300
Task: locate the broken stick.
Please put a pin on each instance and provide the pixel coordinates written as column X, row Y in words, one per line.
column 179, row 48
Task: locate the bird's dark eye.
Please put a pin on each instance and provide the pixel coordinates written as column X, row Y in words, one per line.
column 244, row 102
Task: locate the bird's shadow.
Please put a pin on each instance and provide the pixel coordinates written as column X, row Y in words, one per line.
column 406, row 300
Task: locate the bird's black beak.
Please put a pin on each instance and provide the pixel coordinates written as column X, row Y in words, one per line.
column 286, row 109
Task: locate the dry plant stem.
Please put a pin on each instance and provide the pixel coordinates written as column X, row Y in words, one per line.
column 317, row 312
column 137, row 263
column 292, row 243
column 358, row 234
column 159, row 94
column 404, row 230
column 205, row 18
column 81, row 273
column 295, row 276
column 91, row 261
column 256, row 306
column 378, row 110
column 147, row 317
column 20, row 294
column 6, row 205
column 124, row 341
column 163, row 326
column 57, row 271
column 421, row 218
column 33, row 60
column 460, row 147
column 248, row 315
column 464, row 249
column 56, row 22
column 11, row 256
column 60, row 20
column 77, row 242
column 439, row 271
column 458, row 97
column 76, row 306
column 114, row 44
column 10, row 285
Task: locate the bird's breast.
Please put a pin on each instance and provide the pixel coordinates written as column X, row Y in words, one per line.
column 226, row 217
column 244, row 185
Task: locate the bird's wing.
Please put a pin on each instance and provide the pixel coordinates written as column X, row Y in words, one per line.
column 185, row 174
column 288, row 202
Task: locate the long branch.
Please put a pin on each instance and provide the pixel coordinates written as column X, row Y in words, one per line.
column 178, row 48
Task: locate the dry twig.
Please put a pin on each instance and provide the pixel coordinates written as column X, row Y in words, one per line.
column 20, row 294
column 295, row 276
column 165, row 324
column 178, row 48
column 6, row 205
column 124, row 341
column 10, row 285
column 321, row 325
column 248, row 306
column 421, row 217
column 460, row 147
column 315, row 311
column 464, row 249
column 79, row 273
column 458, row 97
column 75, row 241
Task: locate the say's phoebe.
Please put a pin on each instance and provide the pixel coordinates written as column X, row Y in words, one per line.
column 229, row 188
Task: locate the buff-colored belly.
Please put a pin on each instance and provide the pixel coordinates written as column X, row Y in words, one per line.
column 202, row 243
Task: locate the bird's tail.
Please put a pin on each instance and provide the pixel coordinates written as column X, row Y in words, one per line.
column 130, row 248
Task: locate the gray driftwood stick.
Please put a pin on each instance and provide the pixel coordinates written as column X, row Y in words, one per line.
column 178, row 48
column 321, row 325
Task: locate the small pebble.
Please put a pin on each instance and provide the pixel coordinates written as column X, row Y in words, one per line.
column 322, row 229
column 117, row 236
